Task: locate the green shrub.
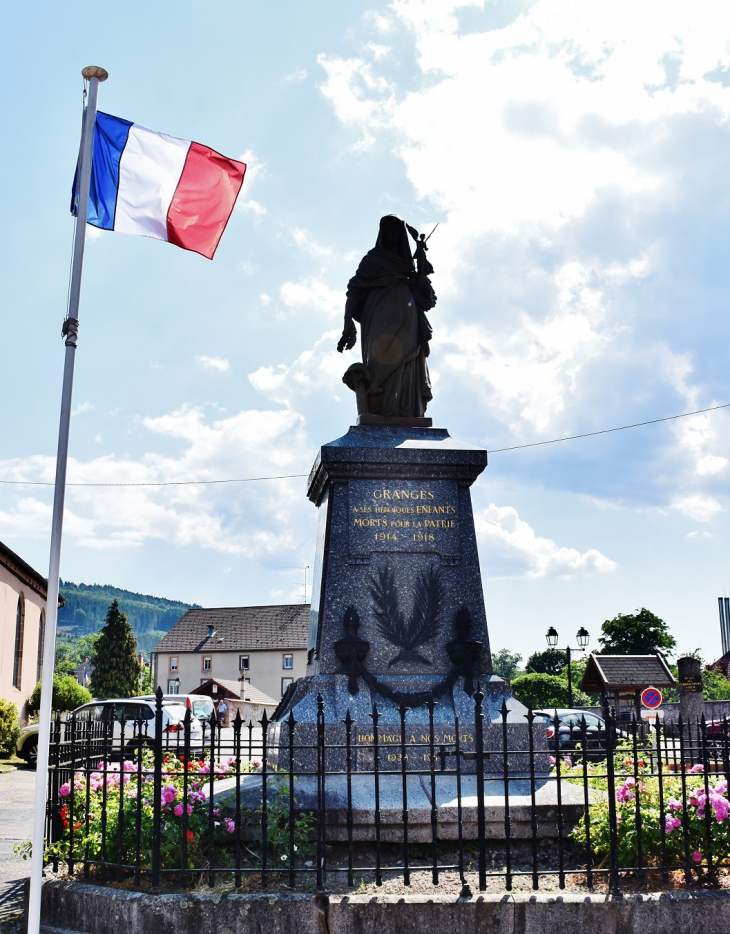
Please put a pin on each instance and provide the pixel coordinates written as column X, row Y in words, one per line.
column 540, row 691
column 67, row 694
column 676, row 812
column 9, row 727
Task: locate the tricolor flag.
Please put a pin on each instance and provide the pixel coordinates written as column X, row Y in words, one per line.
column 153, row 185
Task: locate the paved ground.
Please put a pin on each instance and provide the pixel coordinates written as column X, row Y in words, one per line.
column 16, row 820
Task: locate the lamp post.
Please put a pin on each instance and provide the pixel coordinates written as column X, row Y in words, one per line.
column 583, row 638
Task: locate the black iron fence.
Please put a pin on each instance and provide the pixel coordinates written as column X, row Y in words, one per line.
column 593, row 802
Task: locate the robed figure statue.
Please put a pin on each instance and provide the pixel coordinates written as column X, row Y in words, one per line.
column 388, row 297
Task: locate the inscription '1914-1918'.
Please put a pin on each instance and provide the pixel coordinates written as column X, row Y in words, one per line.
column 408, row 517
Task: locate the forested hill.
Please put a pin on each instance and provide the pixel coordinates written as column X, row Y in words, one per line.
column 86, row 606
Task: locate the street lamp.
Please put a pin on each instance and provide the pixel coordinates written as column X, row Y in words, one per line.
column 583, row 637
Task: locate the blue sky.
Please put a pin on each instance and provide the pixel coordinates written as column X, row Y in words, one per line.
column 576, row 157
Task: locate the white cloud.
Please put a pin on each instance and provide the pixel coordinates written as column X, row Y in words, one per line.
column 259, row 520
column 255, row 171
column 313, row 295
column 82, row 407
column 299, row 74
column 305, row 241
column 359, row 97
column 526, row 370
column 502, row 527
column 213, row 363
column 317, row 371
column 696, row 506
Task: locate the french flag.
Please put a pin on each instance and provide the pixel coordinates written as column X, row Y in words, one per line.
column 153, row 185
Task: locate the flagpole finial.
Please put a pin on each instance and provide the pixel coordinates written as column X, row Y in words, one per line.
column 95, row 71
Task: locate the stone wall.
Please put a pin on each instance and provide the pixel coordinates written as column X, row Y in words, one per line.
column 78, row 908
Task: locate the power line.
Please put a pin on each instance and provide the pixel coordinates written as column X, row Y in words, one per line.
column 606, row 431
column 292, row 476
column 287, row 476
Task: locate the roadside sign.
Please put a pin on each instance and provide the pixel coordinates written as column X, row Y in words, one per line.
column 651, row 697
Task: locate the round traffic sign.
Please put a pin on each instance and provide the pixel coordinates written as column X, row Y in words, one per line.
column 651, row 697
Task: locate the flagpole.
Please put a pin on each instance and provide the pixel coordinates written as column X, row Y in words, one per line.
column 94, row 75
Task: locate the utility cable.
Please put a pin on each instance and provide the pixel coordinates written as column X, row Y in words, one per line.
column 291, row 476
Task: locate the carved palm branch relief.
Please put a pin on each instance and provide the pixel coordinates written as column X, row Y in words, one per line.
column 425, row 619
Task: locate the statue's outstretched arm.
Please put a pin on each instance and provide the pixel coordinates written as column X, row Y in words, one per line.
column 349, row 331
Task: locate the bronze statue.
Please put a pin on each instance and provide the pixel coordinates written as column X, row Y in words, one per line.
column 389, row 297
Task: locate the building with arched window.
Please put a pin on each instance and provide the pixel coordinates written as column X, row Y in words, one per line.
column 23, row 593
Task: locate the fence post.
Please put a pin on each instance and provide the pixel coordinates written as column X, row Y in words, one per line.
column 481, row 823
column 157, row 790
column 237, row 727
column 264, row 800
column 708, row 805
column 292, row 724
column 211, row 800
column 321, row 812
column 505, row 778
column 662, row 809
column 530, row 717
column 376, row 779
column 348, row 765
column 685, row 812
column 187, row 726
column 614, row 886
column 72, row 798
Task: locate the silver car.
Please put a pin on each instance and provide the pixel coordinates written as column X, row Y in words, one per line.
column 133, row 712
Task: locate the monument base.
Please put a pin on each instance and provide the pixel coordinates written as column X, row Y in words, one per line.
column 420, row 805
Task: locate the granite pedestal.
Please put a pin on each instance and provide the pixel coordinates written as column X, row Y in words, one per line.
column 398, row 624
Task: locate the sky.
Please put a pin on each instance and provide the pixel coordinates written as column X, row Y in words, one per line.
column 576, row 157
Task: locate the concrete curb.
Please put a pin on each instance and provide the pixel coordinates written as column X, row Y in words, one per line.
column 79, row 908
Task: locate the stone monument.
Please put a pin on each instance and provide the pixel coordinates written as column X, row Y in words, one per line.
column 398, row 617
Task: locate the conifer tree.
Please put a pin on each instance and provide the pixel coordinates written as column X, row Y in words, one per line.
column 116, row 669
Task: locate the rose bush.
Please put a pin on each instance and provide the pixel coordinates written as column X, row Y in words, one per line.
column 684, row 818
column 100, row 813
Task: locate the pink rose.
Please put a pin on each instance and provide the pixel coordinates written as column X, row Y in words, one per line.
column 64, row 790
column 178, row 810
column 697, row 856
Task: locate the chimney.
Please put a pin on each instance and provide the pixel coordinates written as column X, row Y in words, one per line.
column 140, row 660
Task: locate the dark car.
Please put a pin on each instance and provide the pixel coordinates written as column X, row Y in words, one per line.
column 570, row 729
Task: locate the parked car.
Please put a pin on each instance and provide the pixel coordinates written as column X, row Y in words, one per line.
column 570, row 733
column 133, row 711
column 201, row 706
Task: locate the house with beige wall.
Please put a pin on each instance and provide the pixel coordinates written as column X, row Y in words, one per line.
column 265, row 646
column 23, row 593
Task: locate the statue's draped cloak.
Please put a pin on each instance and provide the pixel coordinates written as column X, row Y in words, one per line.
column 394, row 330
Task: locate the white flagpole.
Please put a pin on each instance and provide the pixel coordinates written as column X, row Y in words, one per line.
column 94, row 76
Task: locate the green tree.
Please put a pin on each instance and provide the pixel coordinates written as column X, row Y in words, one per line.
column 70, row 652
column 640, row 633
column 9, row 727
column 549, row 662
column 540, row 691
column 145, row 679
column 506, row 664
column 67, row 694
column 715, row 685
column 116, row 669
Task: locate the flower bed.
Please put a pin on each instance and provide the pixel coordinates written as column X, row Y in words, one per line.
column 678, row 820
column 108, row 815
